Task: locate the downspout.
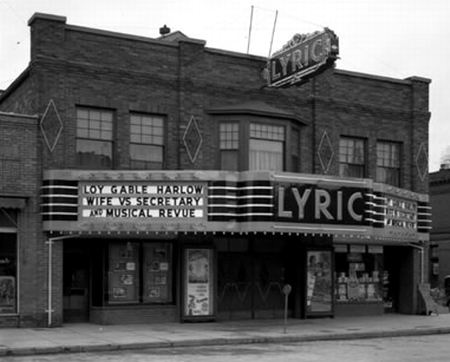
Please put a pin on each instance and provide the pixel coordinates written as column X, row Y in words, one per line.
column 49, row 309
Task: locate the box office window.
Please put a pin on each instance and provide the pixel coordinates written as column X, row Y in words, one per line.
column 146, row 141
column 139, row 272
column 94, row 145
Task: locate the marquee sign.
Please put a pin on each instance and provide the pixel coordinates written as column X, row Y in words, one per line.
column 236, row 202
column 142, row 200
column 303, row 56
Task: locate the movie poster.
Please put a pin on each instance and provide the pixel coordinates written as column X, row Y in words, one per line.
column 319, row 282
column 198, row 279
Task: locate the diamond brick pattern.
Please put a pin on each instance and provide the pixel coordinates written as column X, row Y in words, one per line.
column 51, row 126
column 192, row 139
column 325, row 152
column 422, row 162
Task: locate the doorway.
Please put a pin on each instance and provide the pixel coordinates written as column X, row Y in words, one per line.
column 75, row 282
column 250, row 282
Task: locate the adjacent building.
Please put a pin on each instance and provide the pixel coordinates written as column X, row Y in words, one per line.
column 439, row 270
column 150, row 180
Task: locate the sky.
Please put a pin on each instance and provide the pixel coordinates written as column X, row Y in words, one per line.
column 393, row 38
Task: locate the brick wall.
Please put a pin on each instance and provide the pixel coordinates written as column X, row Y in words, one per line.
column 20, row 178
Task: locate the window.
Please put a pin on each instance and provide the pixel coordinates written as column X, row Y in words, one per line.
column 146, row 141
column 359, row 274
column 266, row 147
column 229, row 146
column 94, row 138
column 352, row 157
column 388, row 163
column 139, row 272
column 8, row 262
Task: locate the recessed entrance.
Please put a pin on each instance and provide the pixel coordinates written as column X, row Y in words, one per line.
column 75, row 282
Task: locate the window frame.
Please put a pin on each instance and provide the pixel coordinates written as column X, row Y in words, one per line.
column 362, row 166
column 244, row 123
column 141, row 279
column 384, row 167
column 161, row 146
column 98, row 140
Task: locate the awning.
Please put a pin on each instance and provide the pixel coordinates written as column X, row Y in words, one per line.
column 12, row 202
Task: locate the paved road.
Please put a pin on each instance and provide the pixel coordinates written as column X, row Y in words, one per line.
column 435, row 348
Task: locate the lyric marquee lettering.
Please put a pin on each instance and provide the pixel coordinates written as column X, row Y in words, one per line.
column 163, row 201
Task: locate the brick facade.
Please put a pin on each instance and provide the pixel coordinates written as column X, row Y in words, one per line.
column 75, row 66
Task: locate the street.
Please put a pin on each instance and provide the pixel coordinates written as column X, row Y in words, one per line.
column 433, row 348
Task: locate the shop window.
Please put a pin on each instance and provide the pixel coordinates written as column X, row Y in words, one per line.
column 8, row 261
column 146, row 141
column 8, row 273
column 157, row 273
column 266, row 147
column 229, row 146
column 388, row 163
column 359, row 274
column 352, row 161
column 94, row 144
column 139, row 272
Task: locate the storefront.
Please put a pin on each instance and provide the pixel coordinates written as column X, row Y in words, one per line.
column 206, row 245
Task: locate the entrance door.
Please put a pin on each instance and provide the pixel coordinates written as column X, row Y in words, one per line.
column 250, row 285
column 76, row 282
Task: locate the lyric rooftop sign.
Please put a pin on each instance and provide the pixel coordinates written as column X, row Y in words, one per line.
column 159, row 201
column 302, row 57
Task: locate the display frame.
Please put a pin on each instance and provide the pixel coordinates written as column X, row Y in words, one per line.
column 308, row 292
column 196, row 284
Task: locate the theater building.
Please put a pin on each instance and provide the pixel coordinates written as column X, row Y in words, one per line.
column 161, row 180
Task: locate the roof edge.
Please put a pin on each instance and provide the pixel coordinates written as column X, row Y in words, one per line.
column 16, row 83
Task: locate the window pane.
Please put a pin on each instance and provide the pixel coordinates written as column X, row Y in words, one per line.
column 123, row 273
column 94, row 143
column 147, row 141
column 94, row 154
column 229, row 136
column 157, row 273
column 146, row 156
column 388, row 163
column 265, row 155
column 268, row 132
column 351, row 157
column 8, row 273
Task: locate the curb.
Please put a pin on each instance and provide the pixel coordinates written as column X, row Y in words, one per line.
column 109, row 347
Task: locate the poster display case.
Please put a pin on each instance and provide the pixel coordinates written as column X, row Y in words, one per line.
column 319, row 283
column 7, row 294
column 123, row 276
column 157, row 273
column 198, row 284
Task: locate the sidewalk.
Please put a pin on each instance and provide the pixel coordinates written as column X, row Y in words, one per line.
column 91, row 337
